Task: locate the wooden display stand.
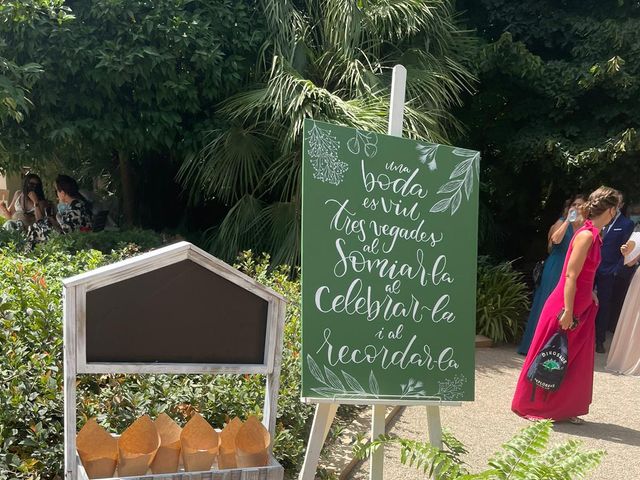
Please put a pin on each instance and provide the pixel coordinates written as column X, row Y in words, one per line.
column 273, row 471
column 176, row 310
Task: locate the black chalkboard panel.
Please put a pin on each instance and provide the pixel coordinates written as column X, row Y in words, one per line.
column 182, row 313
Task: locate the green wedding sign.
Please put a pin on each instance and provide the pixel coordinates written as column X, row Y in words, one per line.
column 389, row 249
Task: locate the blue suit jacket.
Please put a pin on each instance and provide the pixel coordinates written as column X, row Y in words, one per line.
column 615, row 236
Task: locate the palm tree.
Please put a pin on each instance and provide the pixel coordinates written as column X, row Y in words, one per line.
column 329, row 60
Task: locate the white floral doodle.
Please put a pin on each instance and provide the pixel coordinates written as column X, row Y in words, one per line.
column 428, row 154
column 323, row 152
column 364, row 141
column 461, row 178
column 451, row 388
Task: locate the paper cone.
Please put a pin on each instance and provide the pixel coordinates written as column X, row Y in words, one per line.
column 252, row 444
column 97, row 449
column 227, row 451
column 168, row 456
column 199, row 444
column 137, row 446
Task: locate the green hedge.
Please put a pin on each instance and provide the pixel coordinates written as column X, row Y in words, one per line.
column 31, row 413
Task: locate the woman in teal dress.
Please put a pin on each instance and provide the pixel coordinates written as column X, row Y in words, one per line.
column 559, row 237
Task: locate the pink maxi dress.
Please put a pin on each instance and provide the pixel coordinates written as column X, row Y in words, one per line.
column 575, row 393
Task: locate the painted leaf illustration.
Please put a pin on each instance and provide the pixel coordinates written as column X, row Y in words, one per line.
column 461, row 168
column 455, row 203
column 463, row 152
column 373, row 384
column 451, row 186
column 352, row 382
column 441, row 205
column 333, row 379
column 325, row 391
column 468, row 185
column 315, row 370
column 370, row 150
column 353, row 145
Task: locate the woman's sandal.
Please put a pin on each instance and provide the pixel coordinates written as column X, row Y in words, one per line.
column 576, row 420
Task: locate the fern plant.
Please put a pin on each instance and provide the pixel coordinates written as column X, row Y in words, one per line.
column 525, row 456
column 502, row 299
column 422, row 455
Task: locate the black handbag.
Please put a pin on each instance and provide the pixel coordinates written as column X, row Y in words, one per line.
column 550, row 365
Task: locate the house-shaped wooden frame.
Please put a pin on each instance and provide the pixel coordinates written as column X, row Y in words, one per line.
column 175, row 310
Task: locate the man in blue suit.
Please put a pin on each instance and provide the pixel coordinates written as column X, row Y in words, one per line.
column 612, row 277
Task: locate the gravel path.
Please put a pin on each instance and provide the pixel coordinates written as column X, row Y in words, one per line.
column 613, row 422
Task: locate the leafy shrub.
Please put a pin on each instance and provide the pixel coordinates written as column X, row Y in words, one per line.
column 31, row 420
column 11, row 238
column 524, row 456
column 105, row 241
column 31, row 380
column 501, row 301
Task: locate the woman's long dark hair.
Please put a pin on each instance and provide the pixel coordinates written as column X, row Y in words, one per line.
column 68, row 185
column 26, row 188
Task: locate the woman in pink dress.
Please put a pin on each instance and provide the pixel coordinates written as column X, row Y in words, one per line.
column 572, row 298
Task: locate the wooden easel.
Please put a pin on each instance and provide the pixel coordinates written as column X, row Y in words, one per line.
column 326, row 408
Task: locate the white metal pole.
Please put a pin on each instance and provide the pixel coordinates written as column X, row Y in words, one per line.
column 396, row 109
column 396, row 117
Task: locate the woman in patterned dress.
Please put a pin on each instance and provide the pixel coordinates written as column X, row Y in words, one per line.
column 73, row 213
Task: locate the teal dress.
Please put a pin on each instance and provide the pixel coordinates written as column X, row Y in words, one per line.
column 550, row 276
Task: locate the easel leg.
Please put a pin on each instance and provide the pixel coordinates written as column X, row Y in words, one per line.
column 435, row 431
column 376, row 462
column 435, row 427
column 325, row 413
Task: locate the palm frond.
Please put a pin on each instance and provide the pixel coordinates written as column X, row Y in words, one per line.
column 278, row 227
column 342, row 24
column 428, row 124
column 229, row 166
column 286, row 24
column 435, row 82
column 397, row 20
column 351, row 75
column 329, row 60
column 234, row 235
column 283, row 177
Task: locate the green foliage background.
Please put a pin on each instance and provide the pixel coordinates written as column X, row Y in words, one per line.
column 555, row 111
column 133, row 91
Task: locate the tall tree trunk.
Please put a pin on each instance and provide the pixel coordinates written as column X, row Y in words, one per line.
column 128, row 192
